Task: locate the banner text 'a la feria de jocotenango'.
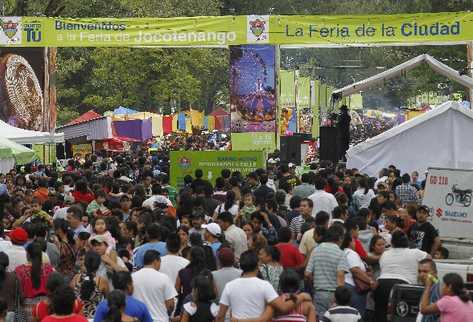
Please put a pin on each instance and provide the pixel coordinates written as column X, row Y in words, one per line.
column 453, row 27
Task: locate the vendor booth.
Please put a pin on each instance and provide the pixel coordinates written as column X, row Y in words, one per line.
column 140, row 130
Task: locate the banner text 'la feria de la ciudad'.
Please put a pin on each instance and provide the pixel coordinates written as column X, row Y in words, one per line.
column 221, row 31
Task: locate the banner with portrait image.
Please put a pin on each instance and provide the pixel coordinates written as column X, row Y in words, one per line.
column 252, row 88
column 287, row 103
column 303, row 105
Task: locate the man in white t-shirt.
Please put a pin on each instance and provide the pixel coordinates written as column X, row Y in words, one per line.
column 323, row 201
column 248, row 296
column 172, row 263
column 156, row 199
column 153, row 288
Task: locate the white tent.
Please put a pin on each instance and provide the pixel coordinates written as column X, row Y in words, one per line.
column 23, row 136
column 401, row 69
column 441, row 137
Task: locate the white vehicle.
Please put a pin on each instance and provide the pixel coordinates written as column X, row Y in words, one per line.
column 464, row 268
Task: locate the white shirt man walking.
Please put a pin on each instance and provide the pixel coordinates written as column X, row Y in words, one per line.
column 323, row 201
column 153, row 288
column 248, row 296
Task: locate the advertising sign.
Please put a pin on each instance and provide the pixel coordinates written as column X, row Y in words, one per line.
column 443, row 27
column 448, row 194
column 252, row 88
column 303, row 105
column 287, row 102
column 212, row 163
column 81, row 149
column 256, row 141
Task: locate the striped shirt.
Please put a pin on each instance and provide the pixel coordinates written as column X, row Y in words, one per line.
column 341, row 314
column 324, row 263
column 296, row 224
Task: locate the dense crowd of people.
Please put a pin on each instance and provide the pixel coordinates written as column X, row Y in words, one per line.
column 201, row 141
column 370, row 127
column 109, row 239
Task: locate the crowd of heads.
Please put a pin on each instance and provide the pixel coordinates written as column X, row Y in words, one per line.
column 101, row 210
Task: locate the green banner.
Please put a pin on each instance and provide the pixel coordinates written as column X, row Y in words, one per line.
column 324, row 100
column 304, row 111
column 212, row 163
column 287, row 96
column 314, row 96
column 303, row 92
column 422, row 28
column 287, row 102
column 45, row 152
column 255, row 141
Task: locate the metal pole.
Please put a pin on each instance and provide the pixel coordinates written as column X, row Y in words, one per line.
column 469, row 55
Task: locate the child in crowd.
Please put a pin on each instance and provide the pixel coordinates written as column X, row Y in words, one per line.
column 97, row 207
column 100, row 229
column 247, row 209
column 342, row 311
column 442, row 253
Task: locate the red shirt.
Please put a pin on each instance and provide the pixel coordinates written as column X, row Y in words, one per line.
column 41, row 310
column 360, row 249
column 23, row 272
column 72, row 318
column 83, row 197
column 290, row 255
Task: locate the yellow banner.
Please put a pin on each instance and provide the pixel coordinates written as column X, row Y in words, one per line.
column 451, row 27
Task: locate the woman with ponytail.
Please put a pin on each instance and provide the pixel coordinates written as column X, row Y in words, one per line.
column 455, row 305
column 66, row 245
column 89, row 287
column 116, row 308
column 33, row 277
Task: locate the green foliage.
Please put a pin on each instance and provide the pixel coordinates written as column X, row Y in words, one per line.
column 65, row 115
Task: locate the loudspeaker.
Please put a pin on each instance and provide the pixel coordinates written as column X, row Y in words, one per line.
column 328, row 143
column 291, row 149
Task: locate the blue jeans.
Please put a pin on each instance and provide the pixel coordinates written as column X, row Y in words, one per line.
column 358, row 301
column 323, row 301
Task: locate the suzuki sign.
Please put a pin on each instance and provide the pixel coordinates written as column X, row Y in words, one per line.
column 448, row 194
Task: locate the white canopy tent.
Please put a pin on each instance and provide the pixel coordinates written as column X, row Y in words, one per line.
column 401, row 69
column 438, row 138
column 23, row 136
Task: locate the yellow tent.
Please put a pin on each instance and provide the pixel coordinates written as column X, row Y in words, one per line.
column 188, row 125
column 174, row 123
column 211, row 125
column 197, row 118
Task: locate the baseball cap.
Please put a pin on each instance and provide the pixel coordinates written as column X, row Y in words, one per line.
column 98, row 239
column 424, row 208
column 18, row 236
column 213, row 228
